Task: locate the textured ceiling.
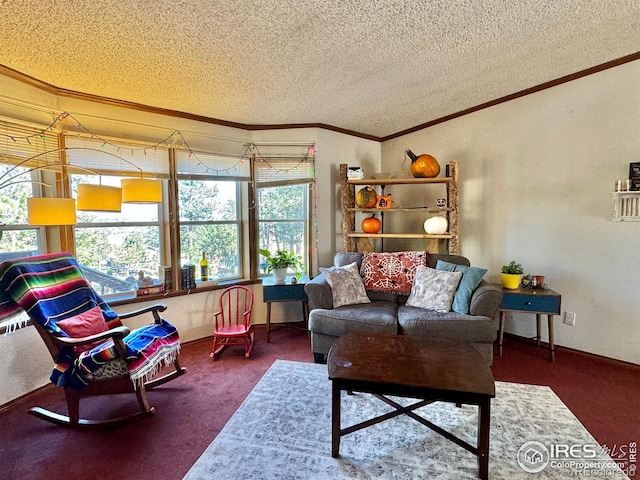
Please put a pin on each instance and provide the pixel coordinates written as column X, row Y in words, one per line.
column 371, row 66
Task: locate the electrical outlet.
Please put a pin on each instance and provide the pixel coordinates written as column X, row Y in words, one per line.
column 569, row 318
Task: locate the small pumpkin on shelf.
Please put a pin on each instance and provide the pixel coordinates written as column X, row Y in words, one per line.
column 366, row 197
column 371, row 224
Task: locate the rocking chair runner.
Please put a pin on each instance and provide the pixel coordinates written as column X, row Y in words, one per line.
column 233, row 320
column 95, row 355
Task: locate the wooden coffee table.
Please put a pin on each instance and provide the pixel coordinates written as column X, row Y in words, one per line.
column 422, row 368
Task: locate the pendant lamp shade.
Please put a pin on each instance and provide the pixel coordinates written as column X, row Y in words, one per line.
column 99, row 198
column 51, row 211
column 141, row 190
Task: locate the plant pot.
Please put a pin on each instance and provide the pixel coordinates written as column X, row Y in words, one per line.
column 279, row 275
column 511, row 280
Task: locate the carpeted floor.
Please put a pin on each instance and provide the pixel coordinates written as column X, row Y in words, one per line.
column 192, row 410
column 283, row 430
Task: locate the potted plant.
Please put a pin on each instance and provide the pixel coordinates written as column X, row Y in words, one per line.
column 511, row 275
column 280, row 262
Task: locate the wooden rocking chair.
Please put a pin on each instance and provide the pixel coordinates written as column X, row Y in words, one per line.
column 233, row 320
column 46, row 284
column 117, row 378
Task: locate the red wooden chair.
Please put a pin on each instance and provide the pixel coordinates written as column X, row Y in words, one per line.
column 233, row 320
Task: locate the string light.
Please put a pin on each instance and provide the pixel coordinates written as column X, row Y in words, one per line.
column 176, row 135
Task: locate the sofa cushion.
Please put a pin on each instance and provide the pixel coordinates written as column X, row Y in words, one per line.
column 434, row 289
column 466, row 328
column 346, row 285
column 370, row 317
column 471, row 277
column 391, row 271
column 341, row 259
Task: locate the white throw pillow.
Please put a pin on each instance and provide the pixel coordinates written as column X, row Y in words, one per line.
column 347, row 287
column 434, row 289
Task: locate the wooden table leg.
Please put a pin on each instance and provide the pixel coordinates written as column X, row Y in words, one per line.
column 501, row 334
column 335, row 420
column 538, row 322
column 551, row 342
column 484, row 419
column 268, row 320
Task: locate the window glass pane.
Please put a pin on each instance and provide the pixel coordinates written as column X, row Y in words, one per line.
column 210, row 223
column 111, row 249
column 131, row 212
column 282, row 220
column 13, row 212
column 221, row 244
column 282, row 203
column 207, row 201
column 113, row 256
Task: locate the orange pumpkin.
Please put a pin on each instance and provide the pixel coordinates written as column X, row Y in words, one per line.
column 371, row 225
column 423, row 166
column 366, row 197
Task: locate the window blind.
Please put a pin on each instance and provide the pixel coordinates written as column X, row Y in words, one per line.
column 117, row 157
column 212, row 166
column 31, row 145
column 281, row 171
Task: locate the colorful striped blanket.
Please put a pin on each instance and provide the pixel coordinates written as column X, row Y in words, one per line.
column 50, row 288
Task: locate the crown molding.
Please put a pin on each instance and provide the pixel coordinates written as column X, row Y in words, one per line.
column 47, row 87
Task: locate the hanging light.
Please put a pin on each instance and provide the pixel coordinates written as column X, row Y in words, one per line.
column 51, row 211
column 99, row 198
column 141, row 190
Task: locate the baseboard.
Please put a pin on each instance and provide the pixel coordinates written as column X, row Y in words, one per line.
column 593, row 356
column 25, row 397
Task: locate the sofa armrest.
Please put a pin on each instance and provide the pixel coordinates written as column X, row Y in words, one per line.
column 485, row 300
column 319, row 293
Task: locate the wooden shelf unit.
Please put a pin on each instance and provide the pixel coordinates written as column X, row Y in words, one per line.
column 451, row 212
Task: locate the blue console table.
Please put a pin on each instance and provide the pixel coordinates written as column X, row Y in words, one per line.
column 285, row 292
column 531, row 300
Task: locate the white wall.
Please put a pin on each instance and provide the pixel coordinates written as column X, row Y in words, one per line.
column 536, row 176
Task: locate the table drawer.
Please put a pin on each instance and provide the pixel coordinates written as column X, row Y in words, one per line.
column 283, row 293
column 531, row 303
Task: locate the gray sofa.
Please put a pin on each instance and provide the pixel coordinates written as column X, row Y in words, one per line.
column 387, row 313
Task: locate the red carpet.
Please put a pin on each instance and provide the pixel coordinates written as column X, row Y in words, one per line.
column 192, row 409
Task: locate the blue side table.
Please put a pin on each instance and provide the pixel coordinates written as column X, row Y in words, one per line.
column 531, row 300
column 285, row 292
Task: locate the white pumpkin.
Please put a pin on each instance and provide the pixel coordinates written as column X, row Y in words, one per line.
column 436, row 225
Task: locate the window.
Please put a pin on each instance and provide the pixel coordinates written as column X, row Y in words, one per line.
column 282, row 200
column 226, row 206
column 117, row 249
column 24, row 151
column 209, row 202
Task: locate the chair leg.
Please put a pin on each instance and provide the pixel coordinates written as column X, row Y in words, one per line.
column 248, row 344
column 73, row 405
column 218, row 345
column 141, row 395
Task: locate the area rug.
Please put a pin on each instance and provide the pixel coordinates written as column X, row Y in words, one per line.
column 283, row 431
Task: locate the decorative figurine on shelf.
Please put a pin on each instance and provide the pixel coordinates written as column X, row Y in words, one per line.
column 144, row 281
column 441, row 203
column 355, row 173
column 383, row 202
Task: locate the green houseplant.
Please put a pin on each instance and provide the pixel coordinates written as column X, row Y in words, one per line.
column 280, row 262
column 511, row 275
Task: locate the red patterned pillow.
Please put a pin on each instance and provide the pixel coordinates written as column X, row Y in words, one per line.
column 83, row 325
column 391, row 272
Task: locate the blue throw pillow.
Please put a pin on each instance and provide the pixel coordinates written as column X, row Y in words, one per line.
column 471, row 277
